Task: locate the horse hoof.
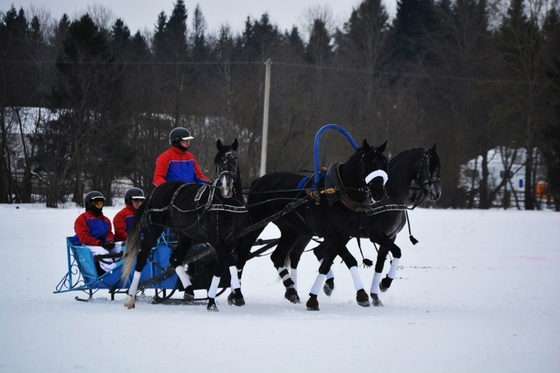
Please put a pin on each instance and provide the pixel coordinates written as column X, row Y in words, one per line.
column 329, row 286
column 385, row 284
column 312, row 304
column 375, row 301
column 235, row 301
column 292, row 295
column 188, row 297
column 129, row 303
column 212, row 305
column 362, row 298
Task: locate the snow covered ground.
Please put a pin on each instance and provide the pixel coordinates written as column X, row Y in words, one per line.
column 478, row 293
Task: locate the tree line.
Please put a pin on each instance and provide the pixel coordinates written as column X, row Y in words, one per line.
column 85, row 102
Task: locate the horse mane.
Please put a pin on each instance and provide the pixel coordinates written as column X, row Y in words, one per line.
column 404, row 152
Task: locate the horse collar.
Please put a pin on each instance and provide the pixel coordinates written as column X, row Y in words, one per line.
column 333, row 181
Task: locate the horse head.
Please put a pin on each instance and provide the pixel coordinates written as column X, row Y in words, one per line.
column 226, row 162
column 374, row 167
column 429, row 174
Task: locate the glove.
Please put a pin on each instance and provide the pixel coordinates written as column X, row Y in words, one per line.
column 107, row 245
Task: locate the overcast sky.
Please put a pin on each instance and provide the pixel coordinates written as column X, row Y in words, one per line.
column 141, row 14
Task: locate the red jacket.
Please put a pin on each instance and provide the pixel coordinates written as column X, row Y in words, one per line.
column 122, row 221
column 92, row 230
column 176, row 164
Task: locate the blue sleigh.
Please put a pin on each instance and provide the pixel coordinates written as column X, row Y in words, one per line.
column 83, row 274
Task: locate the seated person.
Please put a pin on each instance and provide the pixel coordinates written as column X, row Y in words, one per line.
column 133, row 198
column 94, row 230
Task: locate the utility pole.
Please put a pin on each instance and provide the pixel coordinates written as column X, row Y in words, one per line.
column 265, row 116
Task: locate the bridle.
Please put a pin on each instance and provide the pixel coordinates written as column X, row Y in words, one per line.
column 226, row 177
column 423, row 185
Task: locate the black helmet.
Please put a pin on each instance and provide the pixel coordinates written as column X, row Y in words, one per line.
column 94, row 195
column 133, row 193
column 178, row 134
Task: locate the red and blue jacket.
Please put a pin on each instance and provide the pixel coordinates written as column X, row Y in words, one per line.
column 176, row 164
column 92, row 230
column 122, row 222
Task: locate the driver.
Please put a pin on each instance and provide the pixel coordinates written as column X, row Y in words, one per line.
column 177, row 163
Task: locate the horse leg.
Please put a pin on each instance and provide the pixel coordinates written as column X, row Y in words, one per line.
column 279, row 257
column 213, row 289
column 313, row 303
column 380, row 262
column 386, row 244
column 392, row 274
column 149, row 241
column 235, row 298
column 295, row 256
column 185, row 243
column 131, row 299
column 319, row 252
column 243, row 249
column 362, row 297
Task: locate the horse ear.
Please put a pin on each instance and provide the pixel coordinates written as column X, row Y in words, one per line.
column 381, row 148
column 234, row 145
column 434, row 147
column 366, row 146
column 219, row 144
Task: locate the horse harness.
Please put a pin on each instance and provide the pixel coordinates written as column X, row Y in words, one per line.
column 200, row 208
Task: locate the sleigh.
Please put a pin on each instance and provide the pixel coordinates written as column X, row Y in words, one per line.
column 83, row 274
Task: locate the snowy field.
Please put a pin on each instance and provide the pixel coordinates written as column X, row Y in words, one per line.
column 478, row 293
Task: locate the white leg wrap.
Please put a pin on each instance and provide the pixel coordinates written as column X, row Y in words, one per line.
column 213, row 287
column 356, row 277
column 318, row 284
column 234, row 280
column 375, row 283
column 286, row 273
column 185, row 280
column 134, row 285
column 394, row 267
column 293, row 273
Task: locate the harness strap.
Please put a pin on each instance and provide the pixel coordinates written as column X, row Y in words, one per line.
column 365, row 261
column 412, row 239
column 287, row 209
column 386, row 208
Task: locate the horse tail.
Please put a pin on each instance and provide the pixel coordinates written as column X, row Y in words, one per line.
column 133, row 241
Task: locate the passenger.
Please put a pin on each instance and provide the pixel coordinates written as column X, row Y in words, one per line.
column 177, row 163
column 94, row 230
column 133, row 198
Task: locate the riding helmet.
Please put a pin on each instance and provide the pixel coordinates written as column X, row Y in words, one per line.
column 133, row 193
column 178, row 134
column 92, row 196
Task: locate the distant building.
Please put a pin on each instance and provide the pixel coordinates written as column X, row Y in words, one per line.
column 504, row 163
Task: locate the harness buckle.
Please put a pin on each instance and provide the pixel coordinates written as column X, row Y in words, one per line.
column 315, row 194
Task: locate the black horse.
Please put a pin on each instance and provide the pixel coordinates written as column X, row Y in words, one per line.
column 213, row 213
column 417, row 169
column 330, row 210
